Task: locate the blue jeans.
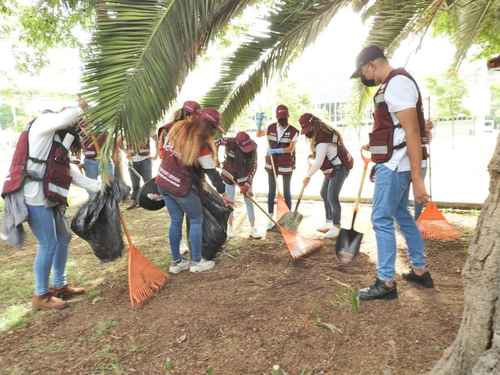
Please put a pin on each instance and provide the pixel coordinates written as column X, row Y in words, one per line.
column 91, row 167
column 52, row 249
column 287, row 178
column 177, row 207
column 330, row 193
column 390, row 203
column 231, row 192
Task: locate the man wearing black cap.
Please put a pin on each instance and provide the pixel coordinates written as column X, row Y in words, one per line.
column 397, row 146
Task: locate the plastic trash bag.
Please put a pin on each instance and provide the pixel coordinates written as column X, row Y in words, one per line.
column 215, row 218
column 98, row 223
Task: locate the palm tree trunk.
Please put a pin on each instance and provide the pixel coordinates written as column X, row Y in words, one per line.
column 476, row 349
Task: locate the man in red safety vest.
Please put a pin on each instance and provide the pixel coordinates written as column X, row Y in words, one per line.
column 397, row 146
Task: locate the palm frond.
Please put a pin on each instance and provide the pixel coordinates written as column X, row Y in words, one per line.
column 393, row 22
column 293, row 26
column 471, row 15
column 141, row 54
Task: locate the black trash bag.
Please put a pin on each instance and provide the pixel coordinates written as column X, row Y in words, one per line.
column 215, row 217
column 214, row 235
column 98, row 223
column 145, row 194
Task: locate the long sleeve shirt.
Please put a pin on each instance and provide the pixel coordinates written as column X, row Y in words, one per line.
column 322, row 151
column 207, row 163
column 40, row 139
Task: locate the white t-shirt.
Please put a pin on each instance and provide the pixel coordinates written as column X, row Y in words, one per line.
column 401, row 93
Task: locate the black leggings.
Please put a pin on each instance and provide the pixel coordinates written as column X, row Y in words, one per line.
column 330, row 193
column 272, row 191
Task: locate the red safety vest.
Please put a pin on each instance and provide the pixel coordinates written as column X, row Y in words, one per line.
column 163, row 131
column 174, row 177
column 343, row 154
column 284, row 163
column 382, row 136
column 233, row 167
column 57, row 178
column 88, row 145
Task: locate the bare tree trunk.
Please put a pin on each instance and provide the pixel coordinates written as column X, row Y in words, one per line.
column 476, row 349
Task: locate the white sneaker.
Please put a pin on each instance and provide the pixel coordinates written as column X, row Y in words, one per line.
column 202, row 266
column 175, row 267
column 333, row 232
column 255, row 233
column 325, row 227
column 184, row 249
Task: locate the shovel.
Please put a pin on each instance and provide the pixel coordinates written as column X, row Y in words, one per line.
column 349, row 240
column 292, row 220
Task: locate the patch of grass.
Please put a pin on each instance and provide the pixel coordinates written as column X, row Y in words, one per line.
column 16, row 279
column 103, row 327
column 14, row 316
column 108, row 362
column 168, row 366
column 346, row 297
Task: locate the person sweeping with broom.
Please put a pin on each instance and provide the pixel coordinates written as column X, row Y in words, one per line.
column 280, row 158
column 397, row 147
column 331, row 157
column 189, row 154
column 36, row 191
column 240, row 165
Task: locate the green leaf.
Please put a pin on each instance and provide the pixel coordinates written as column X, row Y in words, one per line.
column 293, row 25
column 140, row 56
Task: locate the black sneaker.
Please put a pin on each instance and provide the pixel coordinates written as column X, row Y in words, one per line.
column 425, row 280
column 379, row 290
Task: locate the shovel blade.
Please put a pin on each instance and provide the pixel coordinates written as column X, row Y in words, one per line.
column 348, row 245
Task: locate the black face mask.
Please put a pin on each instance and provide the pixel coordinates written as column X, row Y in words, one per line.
column 367, row 82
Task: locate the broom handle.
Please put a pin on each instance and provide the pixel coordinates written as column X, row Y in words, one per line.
column 300, row 197
column 430, row 154
column 231, row 178
column 366, row 161
column 275, row 173
column 122, row 221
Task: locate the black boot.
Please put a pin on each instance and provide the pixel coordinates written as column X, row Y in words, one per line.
column 424, row 280
column 379, row 290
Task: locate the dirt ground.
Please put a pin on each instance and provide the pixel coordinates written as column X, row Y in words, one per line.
column 255, row 310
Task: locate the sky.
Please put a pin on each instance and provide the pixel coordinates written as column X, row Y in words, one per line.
column 323, row 70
